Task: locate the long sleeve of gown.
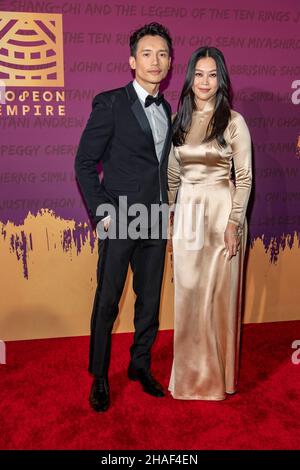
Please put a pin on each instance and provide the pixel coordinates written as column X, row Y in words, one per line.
column 241, row 147
column 173, row 175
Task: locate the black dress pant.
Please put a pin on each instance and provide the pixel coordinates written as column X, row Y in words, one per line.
column 146, row 257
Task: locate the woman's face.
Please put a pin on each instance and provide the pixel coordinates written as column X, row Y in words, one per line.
column 205, row 81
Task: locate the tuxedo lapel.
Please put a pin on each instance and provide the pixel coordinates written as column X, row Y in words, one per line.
column 139, row 113
column 168, row 113
column 169, row 132
column 142, row 119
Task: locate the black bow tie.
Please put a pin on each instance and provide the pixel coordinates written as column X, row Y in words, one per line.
column 151, row 99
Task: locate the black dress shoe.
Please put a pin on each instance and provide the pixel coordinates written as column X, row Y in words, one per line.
column 99, row 396
column 148, row 382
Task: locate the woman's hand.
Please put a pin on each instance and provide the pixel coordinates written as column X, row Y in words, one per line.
column 232, row 239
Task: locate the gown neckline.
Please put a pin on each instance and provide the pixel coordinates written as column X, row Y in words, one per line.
column 208, row 107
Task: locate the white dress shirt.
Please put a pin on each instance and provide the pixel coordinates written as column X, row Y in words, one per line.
column 157, row 119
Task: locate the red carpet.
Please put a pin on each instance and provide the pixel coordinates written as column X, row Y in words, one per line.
column 45, row 387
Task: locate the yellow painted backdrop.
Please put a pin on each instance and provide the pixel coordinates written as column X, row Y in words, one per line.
column 56, row 299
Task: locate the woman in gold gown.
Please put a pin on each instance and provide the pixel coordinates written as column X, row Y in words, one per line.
column 210, row 178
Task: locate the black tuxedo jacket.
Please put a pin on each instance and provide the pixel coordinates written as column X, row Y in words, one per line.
column 119, row 135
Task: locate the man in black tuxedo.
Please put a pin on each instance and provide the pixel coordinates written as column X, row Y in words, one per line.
column 129, row 131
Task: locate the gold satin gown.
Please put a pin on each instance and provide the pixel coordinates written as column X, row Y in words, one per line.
column 207, row 284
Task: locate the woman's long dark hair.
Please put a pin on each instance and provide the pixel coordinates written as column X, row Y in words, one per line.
column 187, row 104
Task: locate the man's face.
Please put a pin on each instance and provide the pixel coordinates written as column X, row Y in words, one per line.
column 152, row 60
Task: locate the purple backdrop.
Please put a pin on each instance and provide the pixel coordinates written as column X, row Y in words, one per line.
column 262, row 47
